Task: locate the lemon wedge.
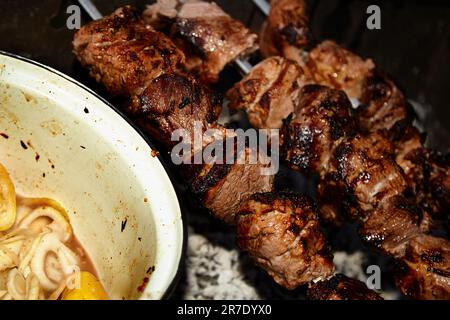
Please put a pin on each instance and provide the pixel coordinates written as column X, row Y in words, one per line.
column 89, row 289
column 7, row 200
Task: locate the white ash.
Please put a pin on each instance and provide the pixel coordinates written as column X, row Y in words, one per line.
column 213, row 272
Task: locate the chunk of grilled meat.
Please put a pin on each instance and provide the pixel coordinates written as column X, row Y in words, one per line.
column 210, row 38
column 281, row 233
column 383, row 103
column 437, row 184
column 336, row 67
column 161, row 14
column 370, row 187
column 391, row 226
column 335, row 203
column 321, row 120
column 409, row 153
column 367, row 167
column 362, row 174
column 286, row 31
column 341, row 287
column 269, row 92
column 223, row 187
column 427, row 172
column 175, row 101
column 425, row 270
column 124, row 53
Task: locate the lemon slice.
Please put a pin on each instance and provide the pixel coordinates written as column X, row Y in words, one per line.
column 7, row 201
column 89, row 288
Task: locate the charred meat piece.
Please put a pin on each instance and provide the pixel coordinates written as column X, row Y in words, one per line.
column 425, row 270
column 409, row 154
column 437, row 183
column 209, row 37
column 342, row 198
column 427, row 172
column 175, row 101
column 392, row 225
column 269, row 92
column 367, row 167
column 223, row 187
column 334, row 202
column 417, row 163
column 123, row 53
column 162, row 13
column 281, row 233
column 286, row 31
column 383, row 104
column 336, row 67
column 321, row 120
column 341, row 287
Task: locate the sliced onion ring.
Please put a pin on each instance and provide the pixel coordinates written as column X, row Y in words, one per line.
column 33, row 290
column 21, row 288
column 9, row 252
column 47, row 208
column 16, row 285
column 51, row 244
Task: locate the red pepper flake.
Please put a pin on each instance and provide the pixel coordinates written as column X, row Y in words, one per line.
column 4, row 135
column 155, row 153
column 143, row 284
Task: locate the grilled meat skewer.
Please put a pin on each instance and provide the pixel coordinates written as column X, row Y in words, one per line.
column 371, row 184
column 170, row 100
column 163, row 99
column 386, row 110
column 383, row 105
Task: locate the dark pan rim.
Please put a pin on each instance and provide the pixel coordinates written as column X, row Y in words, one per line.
column 171, row 288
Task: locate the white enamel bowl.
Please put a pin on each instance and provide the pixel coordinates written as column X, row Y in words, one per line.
column 83, row 153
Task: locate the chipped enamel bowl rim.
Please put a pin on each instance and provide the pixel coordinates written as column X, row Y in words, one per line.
column 148, row 174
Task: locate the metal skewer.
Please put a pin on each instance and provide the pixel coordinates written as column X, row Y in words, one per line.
column 263, row 5
column 90, row 8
